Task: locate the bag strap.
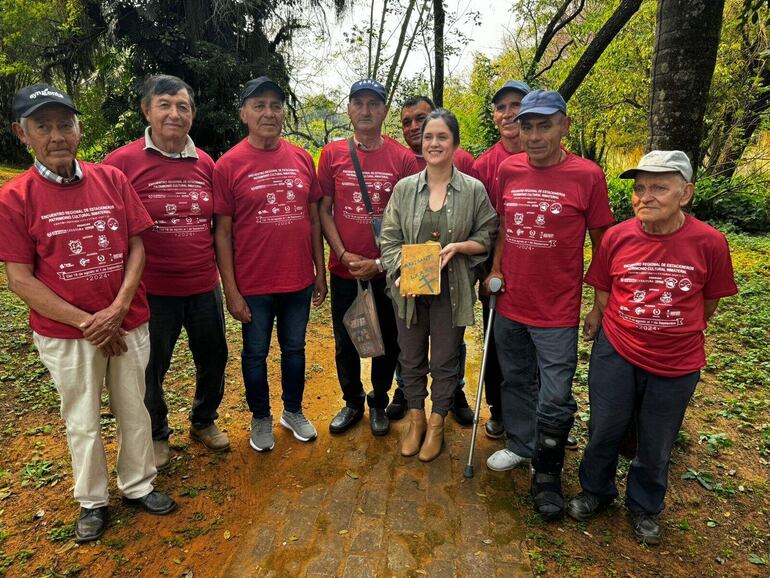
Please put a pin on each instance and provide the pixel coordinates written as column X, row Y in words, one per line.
column 360, row 175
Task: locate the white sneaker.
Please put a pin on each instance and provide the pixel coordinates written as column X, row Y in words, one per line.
column 504, row 460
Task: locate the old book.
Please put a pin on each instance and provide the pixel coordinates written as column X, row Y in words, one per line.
column 420, row 269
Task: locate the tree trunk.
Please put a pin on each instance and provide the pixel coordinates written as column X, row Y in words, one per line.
column 438, row 50
column 598, row 45
column 686, row 43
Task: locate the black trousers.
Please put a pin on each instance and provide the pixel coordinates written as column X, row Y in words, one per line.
column 343, row 293
column 493, row 377
column 203, row 318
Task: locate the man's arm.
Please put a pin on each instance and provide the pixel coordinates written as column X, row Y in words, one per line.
column 596, row 236
column 497, row 258
column 593, row 318
column 359, row 266
column 103, row 325
column 319, row 290
column 223, row 247
column 709, row 308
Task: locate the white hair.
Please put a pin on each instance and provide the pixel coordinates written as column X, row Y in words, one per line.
column 25, row 119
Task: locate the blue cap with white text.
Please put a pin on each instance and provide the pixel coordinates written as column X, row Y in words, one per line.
column 369, row 84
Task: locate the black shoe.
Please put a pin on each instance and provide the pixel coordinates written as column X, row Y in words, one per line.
column 397, row 408
column 646, row 527
column 585, row 505
column 155, row 502
column 494, row 429
column 91, row 524
column 378, row 421
column 461, row 411
column 570, row 443
column 345, row 419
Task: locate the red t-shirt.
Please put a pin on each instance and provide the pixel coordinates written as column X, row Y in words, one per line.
column 657, row 286
column 76, row 238
column 486, row 167
column 547, row 211
column 179, row 249
column 268, row 195
column 463, row 161
column 382, row 169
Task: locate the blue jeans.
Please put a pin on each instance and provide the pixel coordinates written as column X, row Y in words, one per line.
column 290, row 312
column 618, row 391
column 203, row 318
column 523, row 350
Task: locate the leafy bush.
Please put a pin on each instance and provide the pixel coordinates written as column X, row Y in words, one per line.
column 742, row 203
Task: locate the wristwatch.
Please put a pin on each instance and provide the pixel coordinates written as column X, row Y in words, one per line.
column 380, row 268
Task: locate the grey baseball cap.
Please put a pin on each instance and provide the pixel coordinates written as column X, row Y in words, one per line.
column 662, row 162
column 517, row 85
column 542, row 102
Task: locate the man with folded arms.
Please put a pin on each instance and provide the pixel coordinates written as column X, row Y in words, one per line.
column 88, row 309
column 173, row 179
column 354, row 254
column 547, row 200
column 658, row 279
column 270, row 255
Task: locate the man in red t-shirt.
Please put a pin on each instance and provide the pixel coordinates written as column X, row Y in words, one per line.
column 70, row 239
column 354, row 256
column 173, row 179
column 414, row 111
column 658, row 279
column 547, row 199
column 506, row 103
column 270, row 255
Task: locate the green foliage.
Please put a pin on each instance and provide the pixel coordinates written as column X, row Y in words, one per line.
column 742, row 203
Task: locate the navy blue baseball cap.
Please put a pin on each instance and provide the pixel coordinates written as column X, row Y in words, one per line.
column 544, row 102
column 260, row 84
column 369, row 84
column 30, row 98
column 517, row 85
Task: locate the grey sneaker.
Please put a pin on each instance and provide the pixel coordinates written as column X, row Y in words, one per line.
column 262, row 438
column 302, row 429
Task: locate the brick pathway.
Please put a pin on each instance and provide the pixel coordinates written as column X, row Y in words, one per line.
column 369, row 512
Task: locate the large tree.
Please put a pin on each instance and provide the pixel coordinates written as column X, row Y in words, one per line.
column 686, row 43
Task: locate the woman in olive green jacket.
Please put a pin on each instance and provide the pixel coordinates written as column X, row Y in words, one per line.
column 443, row 205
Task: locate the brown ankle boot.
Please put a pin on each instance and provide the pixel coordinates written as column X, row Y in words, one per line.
column 434, row 438
column 417, row 425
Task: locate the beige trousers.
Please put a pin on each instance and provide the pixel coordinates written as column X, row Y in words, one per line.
column 79, row 371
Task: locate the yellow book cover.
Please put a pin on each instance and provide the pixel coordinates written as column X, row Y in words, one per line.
column 420, row 269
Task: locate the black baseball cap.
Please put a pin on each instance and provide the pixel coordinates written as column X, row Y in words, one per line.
column 369, row 84
column 259, row 84
column 31, row 98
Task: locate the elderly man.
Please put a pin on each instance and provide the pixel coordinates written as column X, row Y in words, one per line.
column 270, row 255
column 547, row 200
column 414, row 111
column 658, row 279
column 173, row 179
column 69, row 236
column 506, row 103
column 354, row 256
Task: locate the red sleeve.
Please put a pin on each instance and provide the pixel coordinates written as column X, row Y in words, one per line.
column 598, row 213
column 223, row 196
column 325, row 176
column 598, row 275
column 496, row 192
column 465, row 163
column 410, row 165
column 721, row 280
column 137, row 217
column 16, row 246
